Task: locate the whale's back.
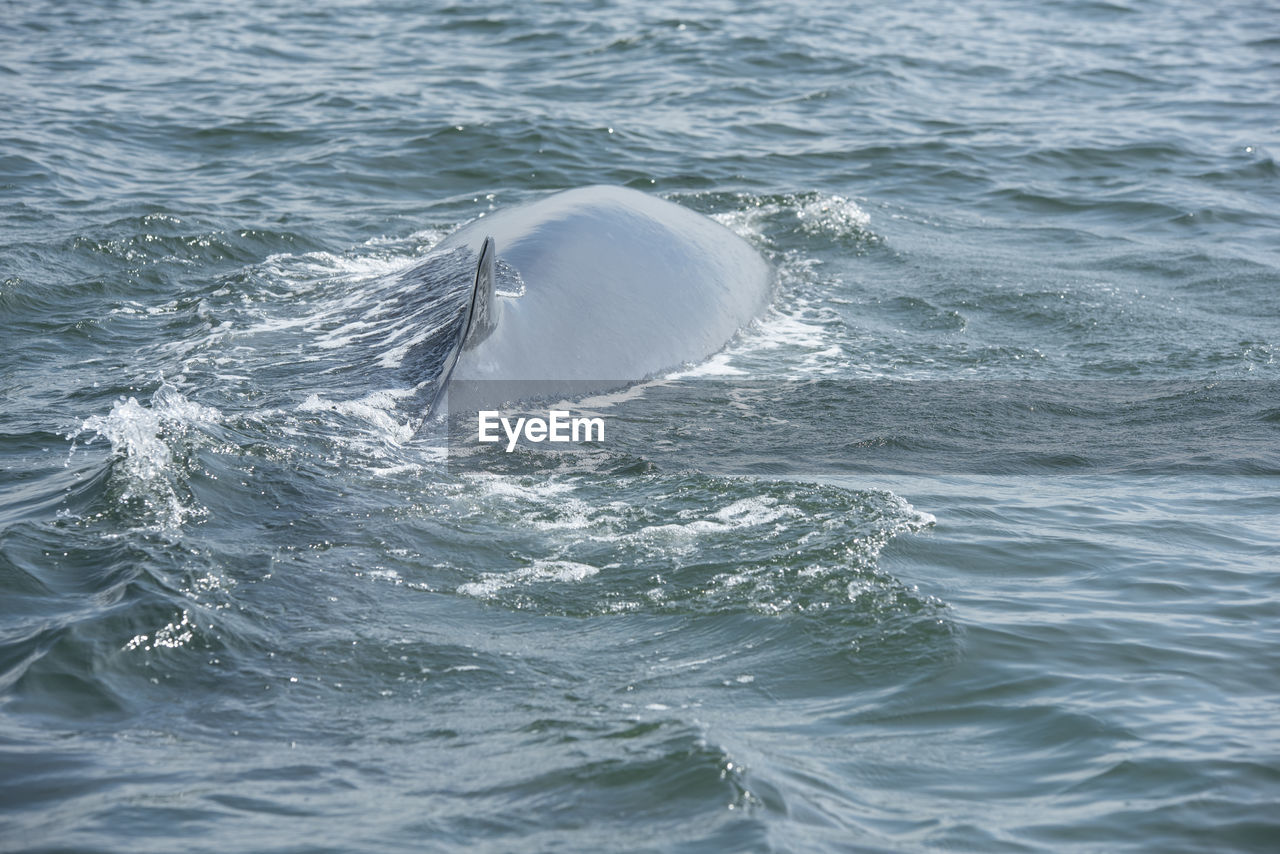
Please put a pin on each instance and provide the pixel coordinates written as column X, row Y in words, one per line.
column 617, row 286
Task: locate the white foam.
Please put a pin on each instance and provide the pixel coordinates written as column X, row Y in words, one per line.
column 507, row 487
column 816, row 213
column 791, row 330
column 173, row 635
column 314, row 268
column 719, row 365
column 739, row 515
column 546, row 505
column 140, row 438
column 801, row 333
column 834, row 215
column 377, row 408
column 748, row 512
column 540, row 572
column 797, row 337
column 747, row 223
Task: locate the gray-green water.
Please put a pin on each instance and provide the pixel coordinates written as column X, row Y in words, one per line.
column 972, row 547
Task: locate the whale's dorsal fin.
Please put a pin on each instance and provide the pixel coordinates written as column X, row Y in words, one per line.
column 481, row 316
column 478, row 320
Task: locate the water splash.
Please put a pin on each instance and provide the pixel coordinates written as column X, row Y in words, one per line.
column 833, row 215
column 766, row 220
column 149, row 455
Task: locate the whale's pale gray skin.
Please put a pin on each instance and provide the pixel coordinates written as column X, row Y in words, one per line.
column 614, row 286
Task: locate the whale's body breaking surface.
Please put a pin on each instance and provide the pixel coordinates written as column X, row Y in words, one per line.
column 611, row 286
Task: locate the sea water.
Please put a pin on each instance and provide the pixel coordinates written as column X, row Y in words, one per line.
column 968, row 542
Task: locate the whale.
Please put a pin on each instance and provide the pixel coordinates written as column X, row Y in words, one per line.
column 591, row 289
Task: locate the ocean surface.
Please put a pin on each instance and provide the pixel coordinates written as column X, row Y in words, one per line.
column 969, row 542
